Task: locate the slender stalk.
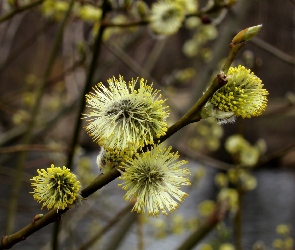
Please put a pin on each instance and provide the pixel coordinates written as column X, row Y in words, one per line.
column 276, row 155
column 105, row 229
column 89, row 80
column 120, row 232
column 54, row 215
column 31, row 147
column 28, row 134
column 132, row 64
column 217, row 215
column 214, row 8
column 140, row 243
column 24, row 46
column 56, row 229
column 16, row 132
column 234, row 49
column 19, row 10
column 88, row 84
column 154, row 54
column 238, row 222
column 273, row 50
column 193, row 115
column 125, row 25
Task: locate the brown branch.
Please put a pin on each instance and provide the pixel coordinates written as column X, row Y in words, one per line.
column 216, row 216
column 19, row 10
column 238, row 221
column 32, row 122
column 202, row 158
column 124, row 25
column 9, row 241
column 212, row 9
column 54, row 215
column 273, row 50
column 32, row 147
column 7, row 171
column 276, row 155
column 105, row 229
column 191, row 116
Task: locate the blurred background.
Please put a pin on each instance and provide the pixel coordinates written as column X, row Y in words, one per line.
column 181, row 66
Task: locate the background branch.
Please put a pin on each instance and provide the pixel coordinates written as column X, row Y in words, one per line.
column 217, row 216
column 19, row 10
column 28, row 134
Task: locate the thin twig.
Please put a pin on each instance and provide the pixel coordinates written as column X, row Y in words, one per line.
column 154, row 54
column 23, row 47
column 89, row 80
column 124, row 25
column 28, row 134
column 16, row 132
column 106, row 228
column 11, row 173
column 133, row 65
column 32, row 147
column 19, row 10
column 217, row 215
column 276, row 155
column 273, row 50
column 121, row 232
column 140, row 242
column 202, row 158
column 238, row 221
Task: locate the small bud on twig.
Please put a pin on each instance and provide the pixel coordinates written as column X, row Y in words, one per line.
column 37, row 217
column 246, row 34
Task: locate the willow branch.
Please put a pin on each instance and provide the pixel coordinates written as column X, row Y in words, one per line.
column 32, row 147
column 128, row 60
column 124, row 25
column 121, row 231
column 238, row 221
column 140, row 234
column 31, row 123
column 217, row 215
column 105, row 229
column 212, row 9
column 55, row 215
column 19, row 10
column 273, row 50
column 276, row 155
column 193, row 115
column 7, row 171
column 234, row 49
column 24, row 46
column 87, row 87
column 16, row 132
column 202, row 158
column 89, row 80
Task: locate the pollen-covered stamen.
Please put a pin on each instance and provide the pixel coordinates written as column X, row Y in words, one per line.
column 120, row 110
column 56, row 188
column 243, row 94
column 154, row 178
column 121, row 117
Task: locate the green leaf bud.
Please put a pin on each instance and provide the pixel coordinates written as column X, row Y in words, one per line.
column 247, row 34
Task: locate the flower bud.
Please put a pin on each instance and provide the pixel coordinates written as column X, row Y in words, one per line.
column 246, row 34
